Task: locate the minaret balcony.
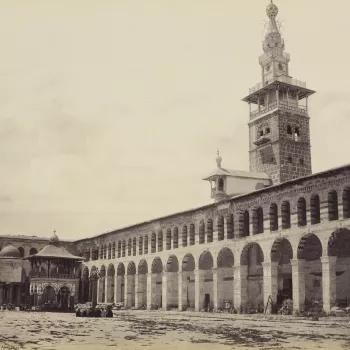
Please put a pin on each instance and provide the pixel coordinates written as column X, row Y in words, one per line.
column 282, row 79
column 274, row 106
column 262, row 140
column 44, row 275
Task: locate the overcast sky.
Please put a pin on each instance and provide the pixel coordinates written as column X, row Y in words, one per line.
column 111, row 112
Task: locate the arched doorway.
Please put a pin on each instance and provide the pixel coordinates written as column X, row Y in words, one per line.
column 155, row 295
column 281, row 255
column 252, row 289
column 64, row 298
column 141, row 292
column 338, row 265
column 204, row 285
column 187, row 287
column 130, row 285
column 49, row 295
column 171, row 283
column 224, row 287
column 309, row 254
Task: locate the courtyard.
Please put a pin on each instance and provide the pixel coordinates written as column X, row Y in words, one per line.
column 170, row 330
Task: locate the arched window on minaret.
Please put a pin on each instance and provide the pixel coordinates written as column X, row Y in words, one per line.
column 296, row 134
column 289, row 130
column 220, row 184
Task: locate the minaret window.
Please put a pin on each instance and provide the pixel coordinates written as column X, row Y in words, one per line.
column 221, row 184
column 289, row 130
column 296, row 134
column 267, row 130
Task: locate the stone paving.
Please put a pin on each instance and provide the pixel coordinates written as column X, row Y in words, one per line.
column 170, row 330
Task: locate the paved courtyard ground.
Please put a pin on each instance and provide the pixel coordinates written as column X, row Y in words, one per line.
column 170, row 330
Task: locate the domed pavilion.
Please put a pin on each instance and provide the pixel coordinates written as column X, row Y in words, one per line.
column 54, row 281
column 12, row 281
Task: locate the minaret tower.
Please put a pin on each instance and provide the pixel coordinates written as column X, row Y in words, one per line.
column 279, row 135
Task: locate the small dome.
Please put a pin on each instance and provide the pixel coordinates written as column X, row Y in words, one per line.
column 271, row 10
column 10, row 252
column 54, row 239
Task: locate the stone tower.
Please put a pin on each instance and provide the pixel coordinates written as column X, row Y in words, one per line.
column 279, row 135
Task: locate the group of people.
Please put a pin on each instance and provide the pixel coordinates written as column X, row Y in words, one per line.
column 88, row 310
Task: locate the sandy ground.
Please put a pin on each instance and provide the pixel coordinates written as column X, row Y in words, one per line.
column 170, row 330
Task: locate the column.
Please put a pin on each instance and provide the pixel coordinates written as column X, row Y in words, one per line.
column 106, row 289
column 225, row 226
column 137, row 296
column 151, row 290
column 126, row 291
column 18, row 301
column 98, row 297
column 298, row 280
column 270, row 283
column 10, row 291
column 329, row 281
column 90, row 254
column 164, row 290
column 216, row 281
column 1, row 293
column 182, row 294
column 39, row 299
column 297, row 99
column 277, row 96
column 199, row 289
column 240, row 287
column 116, row 287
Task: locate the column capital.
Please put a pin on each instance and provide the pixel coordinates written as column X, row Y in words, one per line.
column 328, row 259
column 270, row 263
column 297, row 262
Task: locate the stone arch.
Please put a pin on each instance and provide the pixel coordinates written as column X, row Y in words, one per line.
column 285, row 213
column 102, row 272
column 131, row 268
column 121, row 269
column 315, row 210
column 21, row 250
column 281, row 251
column 249, row 249
column 142, row 268
column 205, row 261
column 301, row 210
column 176, row 238
column 201, row 232
column 33, row 251
column 188, row 263
column 49, row 294
column 273, row 213
column 168, row 239
column 339, row 243
column 346, row 202
column 244, row 224
column 225, row 258
column 172, row 264
column 64, row 297
column 258, row 221
column 309, row 247
column 157, row 265
column 333, row 205
column 184, row 236
column 339, row 266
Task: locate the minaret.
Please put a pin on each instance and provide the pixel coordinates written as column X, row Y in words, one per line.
column 279, row 135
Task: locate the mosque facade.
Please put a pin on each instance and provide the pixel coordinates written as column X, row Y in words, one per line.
column 272, row 233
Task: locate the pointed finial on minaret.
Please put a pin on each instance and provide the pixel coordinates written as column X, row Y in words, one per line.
column 218, row 159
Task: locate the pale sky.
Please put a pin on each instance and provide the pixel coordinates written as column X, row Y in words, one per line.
column 111, row 112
